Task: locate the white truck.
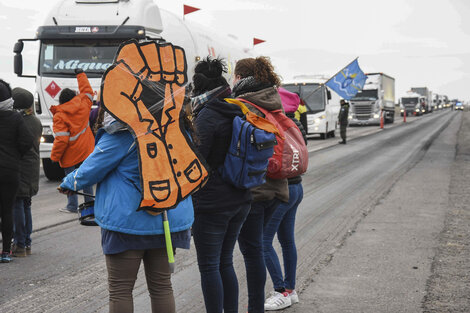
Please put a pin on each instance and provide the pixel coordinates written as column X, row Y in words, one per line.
column 377, row 97
column 322, row 104
column 86, row 34
column 427, row 94
column 412, row 103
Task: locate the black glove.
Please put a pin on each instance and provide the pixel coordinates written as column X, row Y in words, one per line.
column 78, row 71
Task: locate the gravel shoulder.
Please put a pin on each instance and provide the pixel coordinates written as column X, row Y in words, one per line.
column 448, row 287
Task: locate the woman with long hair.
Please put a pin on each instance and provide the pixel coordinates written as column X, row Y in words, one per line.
column 256, row 81
column 219, row 207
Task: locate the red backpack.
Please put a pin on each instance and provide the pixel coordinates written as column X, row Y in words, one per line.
column 290, row 156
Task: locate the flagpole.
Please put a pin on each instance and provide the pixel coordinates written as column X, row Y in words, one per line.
column 330, row 78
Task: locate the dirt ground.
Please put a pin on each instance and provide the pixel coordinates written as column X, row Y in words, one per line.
column 448, row 288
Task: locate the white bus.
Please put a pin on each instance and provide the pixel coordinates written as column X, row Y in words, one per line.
column 322, row 103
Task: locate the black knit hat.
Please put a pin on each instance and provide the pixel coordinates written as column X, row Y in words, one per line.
column 23, row 99
column 5, row 90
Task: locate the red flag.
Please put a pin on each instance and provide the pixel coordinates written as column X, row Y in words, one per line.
column 257, row 41
column 189, row 9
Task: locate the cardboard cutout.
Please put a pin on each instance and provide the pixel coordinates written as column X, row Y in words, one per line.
column 144, row 88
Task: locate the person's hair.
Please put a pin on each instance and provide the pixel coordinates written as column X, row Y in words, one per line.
column 208, row 75
column 66, row 95
column 5, row 90
column 99, row 120
column 260, row 68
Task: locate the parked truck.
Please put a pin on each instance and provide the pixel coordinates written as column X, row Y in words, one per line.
column 322, row 104
column 427, row 94
column 376, row 98
column 87, row 33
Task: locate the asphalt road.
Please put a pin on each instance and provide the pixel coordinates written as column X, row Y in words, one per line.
column 343, row 185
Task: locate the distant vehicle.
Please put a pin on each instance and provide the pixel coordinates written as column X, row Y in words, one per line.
column 322, row 104
column 445, row 102
column 376, row 98
column 427, row 94
column 458, row 105
column 413, row 104
column 87, row 33
column 437, row 101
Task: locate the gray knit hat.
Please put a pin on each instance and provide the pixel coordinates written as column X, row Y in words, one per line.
column 23, row 99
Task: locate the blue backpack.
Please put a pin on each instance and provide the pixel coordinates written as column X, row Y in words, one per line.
column 246, row 162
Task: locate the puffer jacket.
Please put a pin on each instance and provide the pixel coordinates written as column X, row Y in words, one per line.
column 74, row 139
column 29, row 164
column 268, row 98
column 214, row 132
column 15, row 141
column 114, row 166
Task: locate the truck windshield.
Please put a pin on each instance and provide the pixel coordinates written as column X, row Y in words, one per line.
column 409, row 100
column 312, row 95
column 366, row 95
column 61, row 58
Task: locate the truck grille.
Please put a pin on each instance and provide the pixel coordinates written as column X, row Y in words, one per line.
column 363, row 112
column 363, row 109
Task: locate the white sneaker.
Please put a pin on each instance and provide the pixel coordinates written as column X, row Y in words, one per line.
column 277, row 301
column 294, row 298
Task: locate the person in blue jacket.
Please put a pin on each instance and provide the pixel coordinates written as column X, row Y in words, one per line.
column 129, row 236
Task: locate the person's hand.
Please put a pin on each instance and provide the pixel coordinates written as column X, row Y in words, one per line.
column 78, row 71
column 64, row 191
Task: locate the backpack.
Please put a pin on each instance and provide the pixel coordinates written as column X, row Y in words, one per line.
column 251, row 147
column 290, row 158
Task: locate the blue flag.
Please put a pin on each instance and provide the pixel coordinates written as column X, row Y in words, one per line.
column 349, row 81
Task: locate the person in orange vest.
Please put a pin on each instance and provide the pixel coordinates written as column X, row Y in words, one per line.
column 73, row 140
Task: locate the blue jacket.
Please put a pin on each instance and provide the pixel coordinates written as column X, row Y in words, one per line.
column 114, row 166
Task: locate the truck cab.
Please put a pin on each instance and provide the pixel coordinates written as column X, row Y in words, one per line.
column 322, row 104
column 413, row 104
column 377, row 97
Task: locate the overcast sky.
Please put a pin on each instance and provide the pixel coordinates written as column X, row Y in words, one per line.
column 419, row 42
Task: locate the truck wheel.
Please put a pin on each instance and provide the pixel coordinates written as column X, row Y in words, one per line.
column 333, row 134
column 52, row 170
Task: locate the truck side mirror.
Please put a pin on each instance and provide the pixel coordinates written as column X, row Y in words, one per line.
column 18, row 47
column 328, row 94
column 18, row 59
column 18, row 64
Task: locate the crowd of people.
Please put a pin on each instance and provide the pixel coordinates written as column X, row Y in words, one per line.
column 217, row 216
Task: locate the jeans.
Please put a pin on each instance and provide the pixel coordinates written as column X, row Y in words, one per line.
column 8, row 191
column 283, row 222
column 72, row 200
column 215, row 235
column 250, row 241
column 22, row 222
column 122, row 274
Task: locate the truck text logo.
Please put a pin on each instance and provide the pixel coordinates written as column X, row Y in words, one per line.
column 83, row 29
column 73, row 64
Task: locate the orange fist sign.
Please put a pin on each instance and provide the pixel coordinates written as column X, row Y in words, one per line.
column 144, row 89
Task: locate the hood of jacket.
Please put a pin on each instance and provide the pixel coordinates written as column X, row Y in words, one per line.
column 267, row 98
column 70, row 108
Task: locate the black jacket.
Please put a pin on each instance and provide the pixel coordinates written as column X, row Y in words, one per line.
column 214, row 132
column 15, row 141
column 29, row 165
column 343, row 115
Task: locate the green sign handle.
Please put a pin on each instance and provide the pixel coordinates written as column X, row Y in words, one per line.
column 169, row 245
